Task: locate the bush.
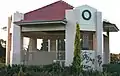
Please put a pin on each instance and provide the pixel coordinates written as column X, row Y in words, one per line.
column 76, row 65
column 47, row 70
column 112, row 68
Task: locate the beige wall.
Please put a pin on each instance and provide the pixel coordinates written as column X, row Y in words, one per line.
column 43, row 28
column 41, row 58
column 106, row 52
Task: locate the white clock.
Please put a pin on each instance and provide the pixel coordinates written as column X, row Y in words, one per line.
column 86, row 14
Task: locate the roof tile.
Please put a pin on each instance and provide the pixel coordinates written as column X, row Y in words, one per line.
column 54, row 11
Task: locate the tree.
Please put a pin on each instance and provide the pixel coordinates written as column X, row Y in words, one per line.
column 77, row 66
column 2, row 50
column 114, row 58
column 2, row 47
column 4, row 28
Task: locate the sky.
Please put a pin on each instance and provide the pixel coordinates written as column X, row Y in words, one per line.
column 109, row 8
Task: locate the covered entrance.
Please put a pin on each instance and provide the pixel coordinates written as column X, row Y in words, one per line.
column 46, row 43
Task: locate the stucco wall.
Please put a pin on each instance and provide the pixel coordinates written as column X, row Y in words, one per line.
column 44, row 58
column 88, row 57
column 106, row 52
column 41, row 58
column 48, row 27
column 86, row 25
column 15, row 57
column 99, row 36
column 93, row 24
column 75, row 16
column 69, row 36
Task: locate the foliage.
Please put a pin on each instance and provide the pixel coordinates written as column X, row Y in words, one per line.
column 2, row 50
column 77, row 53
column 112, row 68
column 46, row 70
column 21, row 73
column 115, row 58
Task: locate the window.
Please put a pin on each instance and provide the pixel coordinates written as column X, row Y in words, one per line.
column 61, row 45
column 44, row 45
column 61, row 49
column 87, row 41
column 53, row 45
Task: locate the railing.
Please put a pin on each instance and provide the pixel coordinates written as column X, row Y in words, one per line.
column 61, row 62
column 60, row 55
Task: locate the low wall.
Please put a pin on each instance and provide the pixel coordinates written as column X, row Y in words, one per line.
column 88, row 59
column 41, row 58
column 44, row 58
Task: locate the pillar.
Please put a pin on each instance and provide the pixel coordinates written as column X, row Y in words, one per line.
column 22, row 50
column 99, row 45
column 32, row 44
column 106, row 49
column 94, row 42
column 70, row 37
column 49, row 45
column 15, row 54
column 8, row 42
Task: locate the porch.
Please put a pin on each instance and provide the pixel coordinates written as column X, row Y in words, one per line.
column 46, row 47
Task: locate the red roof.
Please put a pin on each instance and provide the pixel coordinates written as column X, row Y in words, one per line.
column 54, row 11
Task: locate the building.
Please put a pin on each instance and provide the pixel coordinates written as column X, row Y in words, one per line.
column 55, row 25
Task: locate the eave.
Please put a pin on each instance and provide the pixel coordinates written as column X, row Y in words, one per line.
column 109, row 27
column 41, row 22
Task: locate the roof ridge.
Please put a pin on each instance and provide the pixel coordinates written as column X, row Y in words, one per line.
column 49, row 5
column 66, row 3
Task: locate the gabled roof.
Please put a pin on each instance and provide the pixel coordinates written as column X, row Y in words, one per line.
column 54, row 11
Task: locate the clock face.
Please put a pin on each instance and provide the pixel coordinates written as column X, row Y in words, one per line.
column 86, row 14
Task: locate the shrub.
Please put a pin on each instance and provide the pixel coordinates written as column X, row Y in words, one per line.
column 112, row 68
column 77, row 67
column 48, row 70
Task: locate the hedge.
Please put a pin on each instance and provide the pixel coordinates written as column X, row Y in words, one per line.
column 112, row 68
column 46, row 70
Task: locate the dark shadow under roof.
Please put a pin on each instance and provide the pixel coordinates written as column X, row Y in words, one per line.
column 109, row 27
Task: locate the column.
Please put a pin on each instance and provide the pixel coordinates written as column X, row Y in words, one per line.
column 57, row 49
column 16, row 45
column 8, row 42
column 106, row 49
column 32, row 44
column 15, row 54
column 99, row 47
column 70, row 30
column 22, row 51
column 49, row 44
column 94, row 42
column 32, row 48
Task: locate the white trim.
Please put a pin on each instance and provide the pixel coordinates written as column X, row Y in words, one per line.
column 39, row 22
column 48, row 45
column 56, row 48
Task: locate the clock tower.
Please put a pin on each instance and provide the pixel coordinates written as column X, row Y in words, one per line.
column 86, row 14
column 86, row 17
column 90, row 20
